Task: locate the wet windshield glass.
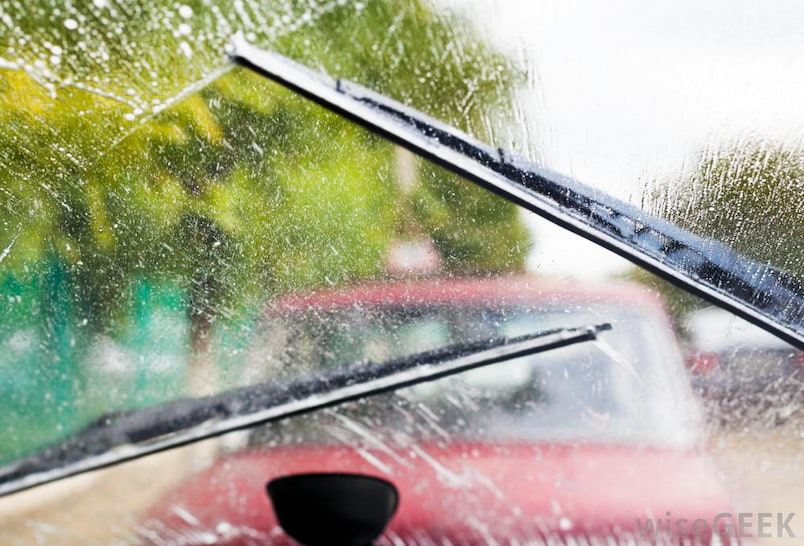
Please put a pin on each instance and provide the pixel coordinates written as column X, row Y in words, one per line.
column 612, row 390
column 176, row 227
column 585, row 392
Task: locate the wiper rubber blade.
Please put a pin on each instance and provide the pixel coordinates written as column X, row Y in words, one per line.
column 768, row 297
column 122, row 436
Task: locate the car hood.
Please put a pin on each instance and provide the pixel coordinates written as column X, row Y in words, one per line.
column 464, row 493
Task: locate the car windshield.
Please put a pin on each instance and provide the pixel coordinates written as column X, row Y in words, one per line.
column 221, row 219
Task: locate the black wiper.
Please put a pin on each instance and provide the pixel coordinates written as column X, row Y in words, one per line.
column 121, row 436
column 770, row 298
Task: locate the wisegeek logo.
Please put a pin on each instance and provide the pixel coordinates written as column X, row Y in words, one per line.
column 737, row 525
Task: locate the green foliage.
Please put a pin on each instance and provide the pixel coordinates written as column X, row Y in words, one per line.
column 114, row 164
column 747, row 195
column 475, row 231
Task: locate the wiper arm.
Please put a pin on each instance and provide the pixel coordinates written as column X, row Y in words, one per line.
column 122, row 436
column 765, row 296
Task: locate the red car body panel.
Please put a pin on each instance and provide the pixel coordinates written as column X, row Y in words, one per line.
column 466, row 493
column 461, row 291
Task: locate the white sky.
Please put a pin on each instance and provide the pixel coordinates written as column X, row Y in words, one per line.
column 626, row 91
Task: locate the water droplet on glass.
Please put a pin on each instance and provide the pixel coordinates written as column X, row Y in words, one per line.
column 186, row 49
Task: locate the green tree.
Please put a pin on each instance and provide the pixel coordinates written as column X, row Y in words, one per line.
column 130, row 149
column 747, row 195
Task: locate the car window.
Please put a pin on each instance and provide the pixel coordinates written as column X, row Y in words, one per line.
column 178, row 230
column 629, row 386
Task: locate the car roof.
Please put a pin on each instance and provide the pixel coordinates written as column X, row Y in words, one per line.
column 464, row 291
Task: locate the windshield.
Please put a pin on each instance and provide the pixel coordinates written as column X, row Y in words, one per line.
column 187, row 244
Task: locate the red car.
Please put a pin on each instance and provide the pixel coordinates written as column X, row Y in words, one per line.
column 589, row 443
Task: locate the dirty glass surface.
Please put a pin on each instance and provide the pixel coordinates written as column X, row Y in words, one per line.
column 176, row 227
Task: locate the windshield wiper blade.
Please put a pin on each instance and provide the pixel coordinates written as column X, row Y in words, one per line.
column 122, row 436
column 768, row 297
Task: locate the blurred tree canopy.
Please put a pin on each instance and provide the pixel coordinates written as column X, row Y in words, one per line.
column 130, row 148
column 740, row 194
